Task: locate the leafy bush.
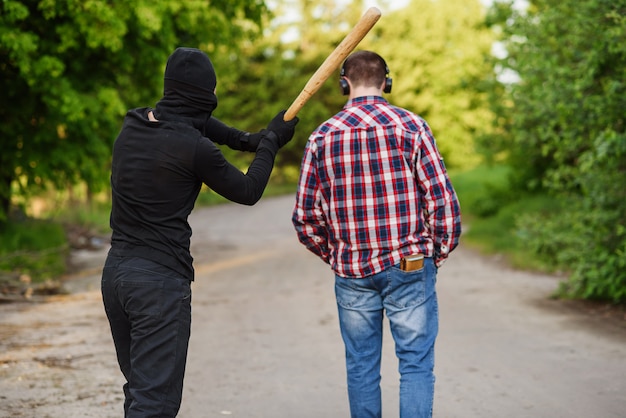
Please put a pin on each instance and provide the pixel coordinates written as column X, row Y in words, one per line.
column 588, row 237
column 567, row 134
column 583, row 244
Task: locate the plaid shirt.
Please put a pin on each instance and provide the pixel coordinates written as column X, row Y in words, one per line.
column 373, row 188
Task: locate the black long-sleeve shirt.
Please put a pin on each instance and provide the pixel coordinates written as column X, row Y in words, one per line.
column 157, row 171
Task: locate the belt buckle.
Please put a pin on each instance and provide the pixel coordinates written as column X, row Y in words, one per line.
column 412, row 262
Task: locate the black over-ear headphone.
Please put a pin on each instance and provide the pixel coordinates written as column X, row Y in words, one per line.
column 345, row 87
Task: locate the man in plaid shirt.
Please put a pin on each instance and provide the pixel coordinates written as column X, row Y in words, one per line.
column 375, row 202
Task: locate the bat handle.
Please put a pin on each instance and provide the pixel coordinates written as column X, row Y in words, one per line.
column 295, row 107
column 333, row 61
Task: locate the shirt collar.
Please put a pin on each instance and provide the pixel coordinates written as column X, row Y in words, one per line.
column 365, row 100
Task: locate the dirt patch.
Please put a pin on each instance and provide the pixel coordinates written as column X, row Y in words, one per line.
column 600, row 318
column 57, row 359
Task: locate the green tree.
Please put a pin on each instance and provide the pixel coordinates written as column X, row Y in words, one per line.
column 439, row 55
column 567, row 133
column 70, row 69
column 569, row 56
column 439, row 68
column 267, row 75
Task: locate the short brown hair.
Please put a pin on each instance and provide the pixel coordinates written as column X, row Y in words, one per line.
column 365, row 68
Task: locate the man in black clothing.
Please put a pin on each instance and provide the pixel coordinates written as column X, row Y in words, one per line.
column 161, row 158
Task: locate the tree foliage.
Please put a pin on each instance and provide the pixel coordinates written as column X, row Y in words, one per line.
column 70, row 69
column 439, row 66
column 566, row 120
column 268, row 74
column 439, row 54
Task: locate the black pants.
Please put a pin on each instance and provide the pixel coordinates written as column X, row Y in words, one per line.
column 149, row 310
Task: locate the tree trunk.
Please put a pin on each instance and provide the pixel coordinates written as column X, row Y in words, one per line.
column 5, row 198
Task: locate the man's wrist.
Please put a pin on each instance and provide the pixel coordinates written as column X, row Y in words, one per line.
column 269, row 140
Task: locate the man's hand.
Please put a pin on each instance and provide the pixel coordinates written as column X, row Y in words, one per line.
column 284, row 130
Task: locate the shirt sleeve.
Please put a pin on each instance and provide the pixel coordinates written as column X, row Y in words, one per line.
column 442, row 213
column 227, row 180
column 308, row 217
column 220, row 133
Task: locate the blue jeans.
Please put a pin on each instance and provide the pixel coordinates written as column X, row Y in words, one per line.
column 410, row 302
column 149, row 311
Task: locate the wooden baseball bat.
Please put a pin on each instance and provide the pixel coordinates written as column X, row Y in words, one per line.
column 332, row 62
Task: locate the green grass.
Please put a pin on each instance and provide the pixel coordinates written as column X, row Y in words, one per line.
column 475, row 181
column 490, row 210
column 36, row 248
column 94, row 216
column 39, row 248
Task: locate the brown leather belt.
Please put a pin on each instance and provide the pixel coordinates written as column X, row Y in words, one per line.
column 412, row 262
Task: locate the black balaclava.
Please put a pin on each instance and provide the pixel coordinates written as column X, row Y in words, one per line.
column 188, row 88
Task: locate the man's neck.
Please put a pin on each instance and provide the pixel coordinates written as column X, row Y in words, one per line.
column 365, row 91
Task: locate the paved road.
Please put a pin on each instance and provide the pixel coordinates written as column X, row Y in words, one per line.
column 265, row 341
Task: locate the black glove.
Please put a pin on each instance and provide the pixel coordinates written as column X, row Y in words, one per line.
column 284, row 130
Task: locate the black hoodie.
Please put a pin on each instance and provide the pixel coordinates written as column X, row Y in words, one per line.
column 158, row 167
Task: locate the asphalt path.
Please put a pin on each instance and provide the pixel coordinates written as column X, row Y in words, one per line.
column 265, row 338
column 265, row 341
